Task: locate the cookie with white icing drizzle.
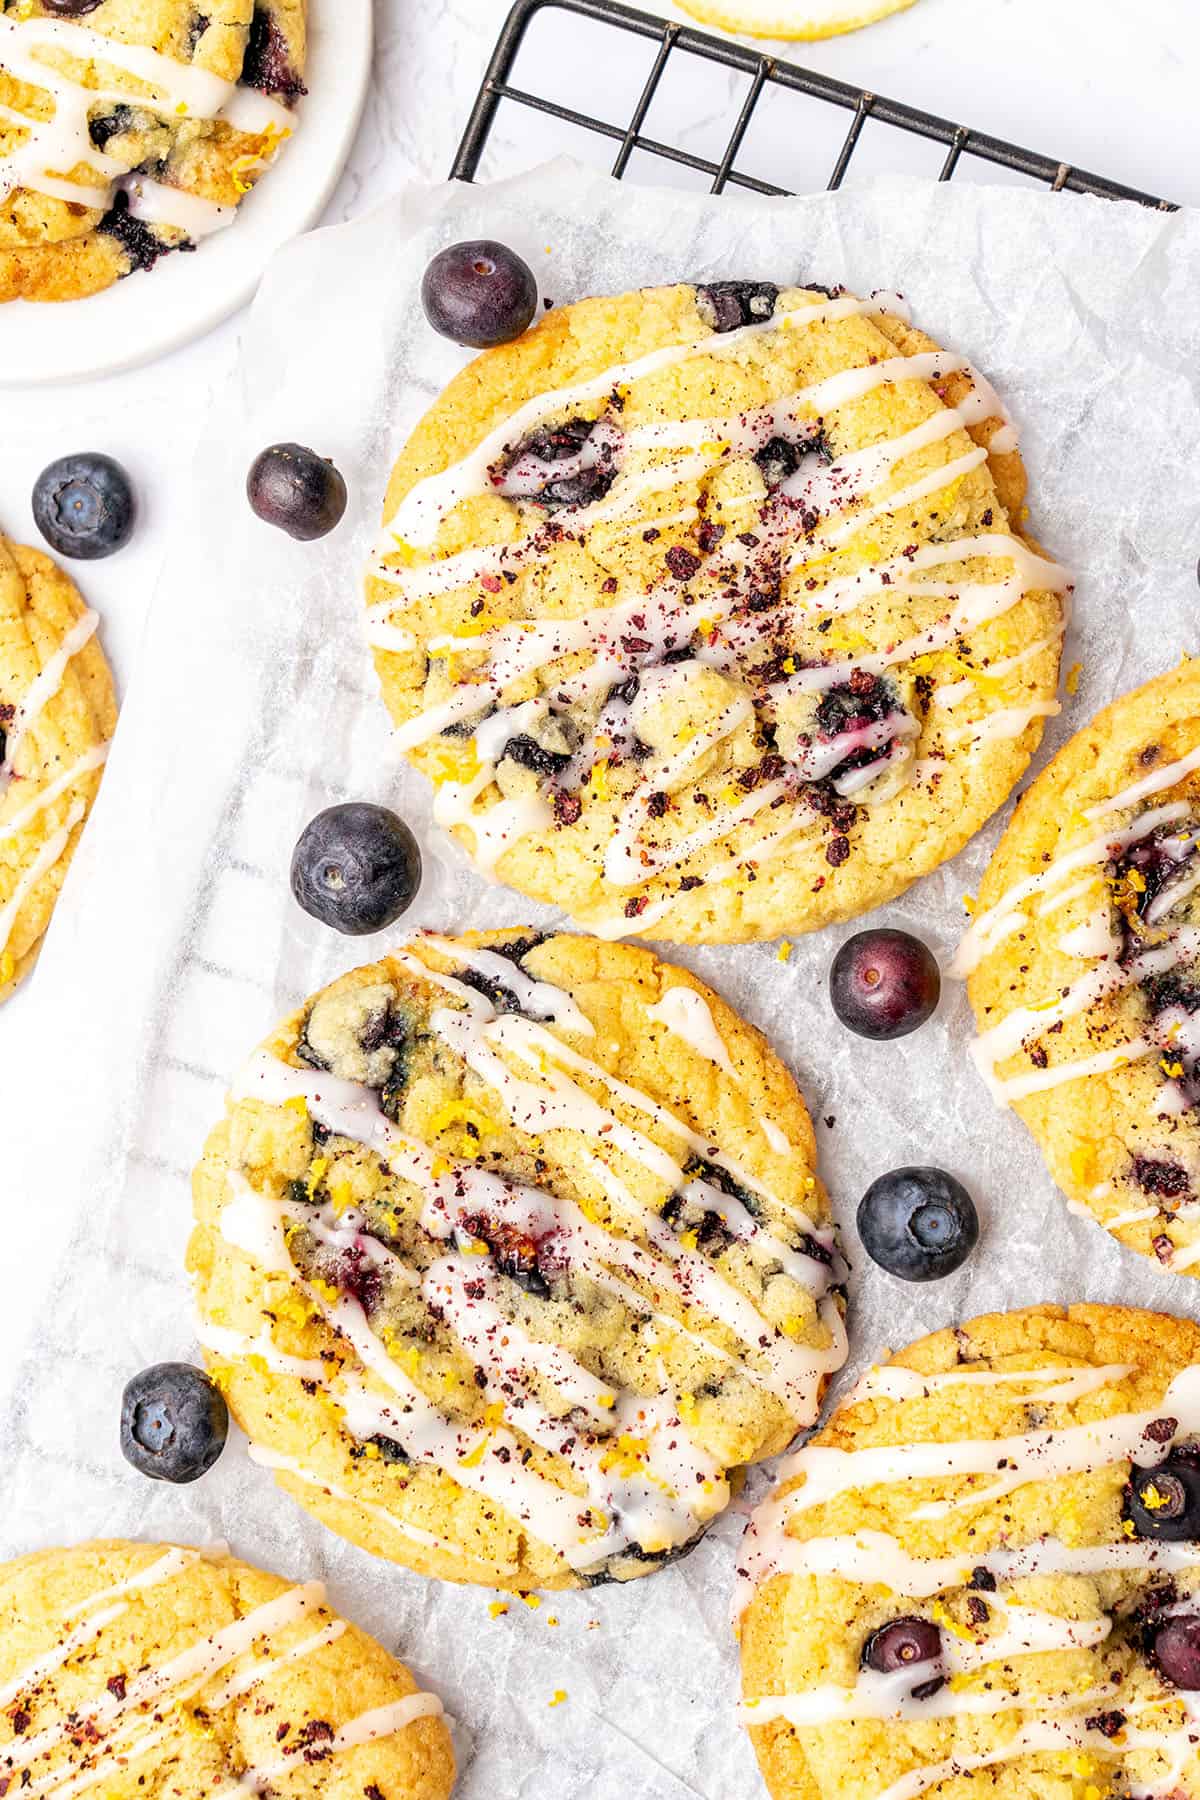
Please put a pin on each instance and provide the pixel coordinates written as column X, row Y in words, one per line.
column 710, row 611
column 983, row 1575
column 509, row 1254
column 1083, row 960
column 130, row 1670
column 57, row 714
column 131, row 128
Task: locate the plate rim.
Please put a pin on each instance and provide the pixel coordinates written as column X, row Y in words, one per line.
column 340, row 68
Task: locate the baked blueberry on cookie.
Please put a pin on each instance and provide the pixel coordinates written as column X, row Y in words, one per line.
column 709, row 612
column 983, row 1575
column 131, row 129
column 1083, row 960
column 57, row 714
column 509, row 1251
column 150, row 1669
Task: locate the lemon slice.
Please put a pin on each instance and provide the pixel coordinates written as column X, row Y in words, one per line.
column 791, row 18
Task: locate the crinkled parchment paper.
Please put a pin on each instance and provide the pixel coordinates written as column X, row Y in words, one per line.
column 177, row 944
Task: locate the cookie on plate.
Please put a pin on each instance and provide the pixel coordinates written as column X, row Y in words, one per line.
column 983, row 1575
column 57, row 713
column 509, row 1251
column 709, row 611
column 129, row 128
column 1084, row 968
column 140, row 1669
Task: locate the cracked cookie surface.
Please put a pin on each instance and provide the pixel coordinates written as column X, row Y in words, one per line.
column 154, row 1669
column 1083, row 965
column 708, row 610
column 132, row 128
column 57, row 714
column 509, row 1253
column 984, row 1572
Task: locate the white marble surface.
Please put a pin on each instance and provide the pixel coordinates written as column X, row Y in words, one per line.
column 1084, row 80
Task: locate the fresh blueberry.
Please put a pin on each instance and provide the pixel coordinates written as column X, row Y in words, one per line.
column 70, row 9
column 883, row 984
column 479, row 293
column 901, row 1644
column 294, row 488
column 356, row 867
column 919, row 1224
column 83, row 506
column 1175, row 1649
column 173, row 1422
column 1165, row 1502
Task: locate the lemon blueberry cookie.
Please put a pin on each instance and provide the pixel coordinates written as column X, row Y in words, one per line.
column 1083, row 961
column 129, row 128
column 151, row 1669
column 509, row 1252
column 57, row 713
column 984, row 1573
column 709, row 611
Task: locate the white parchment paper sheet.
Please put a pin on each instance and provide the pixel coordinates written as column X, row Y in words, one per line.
column 177, row 944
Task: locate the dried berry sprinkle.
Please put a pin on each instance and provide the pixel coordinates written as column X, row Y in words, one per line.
column 682, row 563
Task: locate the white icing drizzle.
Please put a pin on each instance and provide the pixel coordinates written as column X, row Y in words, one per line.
column 878, row 1696
column 778, row 1140
column 1034, row 1456
column 158, row 204
column 236, row 1345
column 942, row 477
column 1047, row 1735
column 45, row 683
column 873, row 1558
column 524, row 647
column 656, row 1500
column 420, row 513
column 651, row 621
column 367, row 1728
column 48, row 855
column 51, row 149
column 1061, row 1385
column 1168, row 776
column 931, row 1690
column 107, row 1708
column 173, row 1563
column 98, row 1617
column 1097, row 941
column 1108, row 977
column 743, row 433
column 539, row 999
column 288, row 1465
column 256, row 1674
column 686, row 1014
column 46, row 796
column 1005, row 721
column 953, row 693
column 989, row 928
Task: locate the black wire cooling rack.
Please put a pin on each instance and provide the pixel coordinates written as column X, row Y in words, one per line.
column 675, row 43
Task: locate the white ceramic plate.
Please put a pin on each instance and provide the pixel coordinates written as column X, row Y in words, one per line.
column 148, row 314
